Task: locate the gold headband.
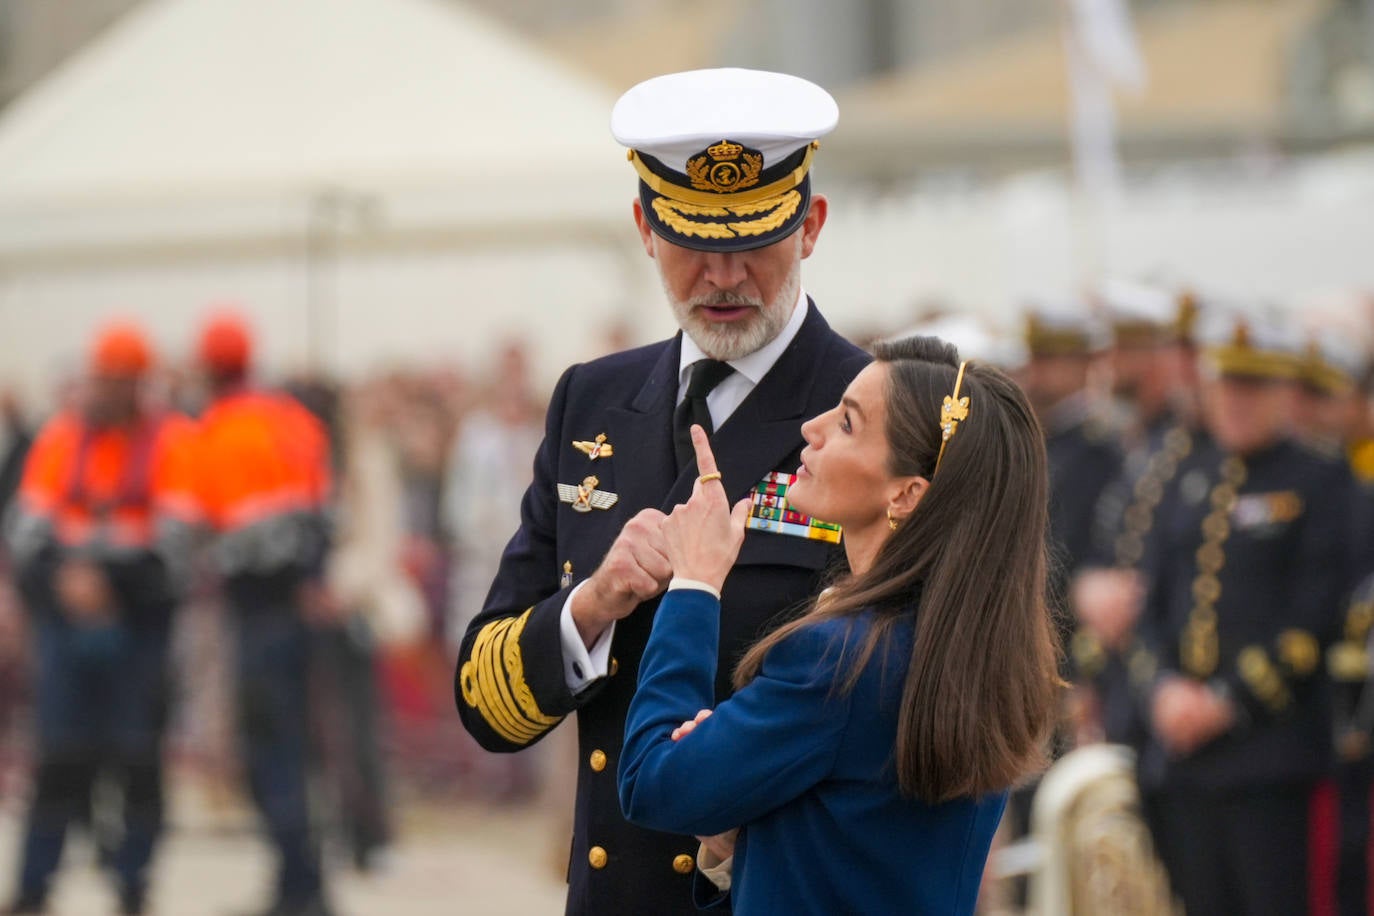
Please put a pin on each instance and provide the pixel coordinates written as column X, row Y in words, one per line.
column 952, row 412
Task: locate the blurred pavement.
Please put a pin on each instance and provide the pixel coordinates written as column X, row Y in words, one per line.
column 451, row 858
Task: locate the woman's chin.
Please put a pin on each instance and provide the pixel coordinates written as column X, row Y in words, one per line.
column 798, row 505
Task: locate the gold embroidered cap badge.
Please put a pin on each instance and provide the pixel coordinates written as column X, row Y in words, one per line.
column 725, row 167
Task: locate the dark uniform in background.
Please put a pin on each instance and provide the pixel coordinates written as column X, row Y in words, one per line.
column 1079, row 442
column 1331, row 415
column 609, row 452
column 1353, row 709
column 1062, row 342
column 100, row 542
column 263, row 482
column 1247, row 568
column 1151, row 328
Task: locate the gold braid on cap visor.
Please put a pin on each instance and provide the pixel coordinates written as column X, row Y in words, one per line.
column 680, row 194
column 953, row 411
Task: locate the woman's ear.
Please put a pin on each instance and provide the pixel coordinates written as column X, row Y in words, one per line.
column 906, row 496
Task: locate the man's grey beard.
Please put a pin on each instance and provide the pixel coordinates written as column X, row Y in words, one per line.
column 727, row 340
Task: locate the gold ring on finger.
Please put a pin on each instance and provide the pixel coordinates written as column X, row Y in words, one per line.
column 707, row 478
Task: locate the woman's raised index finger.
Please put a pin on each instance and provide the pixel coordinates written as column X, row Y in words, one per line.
column 706, row 459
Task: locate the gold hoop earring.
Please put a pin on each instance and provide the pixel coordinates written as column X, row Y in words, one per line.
column 891, row 522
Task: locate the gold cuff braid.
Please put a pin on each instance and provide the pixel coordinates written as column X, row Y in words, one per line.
column 492, row 681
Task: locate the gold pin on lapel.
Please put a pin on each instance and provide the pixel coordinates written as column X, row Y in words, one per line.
column 566, row 579
column 585, row 496
column 599, row 448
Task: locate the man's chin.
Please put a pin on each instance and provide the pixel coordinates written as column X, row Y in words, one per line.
column 727, row 340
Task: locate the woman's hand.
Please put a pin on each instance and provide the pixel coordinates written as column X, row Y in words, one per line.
column 685, row 728
column 704, row 535
column 721, row 846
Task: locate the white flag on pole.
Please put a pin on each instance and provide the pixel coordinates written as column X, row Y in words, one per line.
column 1103, row 54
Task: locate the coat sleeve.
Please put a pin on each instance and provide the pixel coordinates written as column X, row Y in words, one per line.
column 766, row 745
column 509, row 683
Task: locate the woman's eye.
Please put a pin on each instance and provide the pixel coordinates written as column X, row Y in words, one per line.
column 844, row 423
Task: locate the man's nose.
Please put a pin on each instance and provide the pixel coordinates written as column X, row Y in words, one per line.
column 724, row 270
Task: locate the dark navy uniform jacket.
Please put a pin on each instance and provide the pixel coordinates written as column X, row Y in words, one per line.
column 1122, row 523
column 1083, row 461
column 1246, row 588
column 803, row 767
column 510, row 683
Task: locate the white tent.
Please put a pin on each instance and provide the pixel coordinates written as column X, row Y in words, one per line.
column 348, row 159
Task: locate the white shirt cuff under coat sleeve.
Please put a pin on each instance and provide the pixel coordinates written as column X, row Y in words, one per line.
column 697, row 584
column 718, row 871
column 581, row 665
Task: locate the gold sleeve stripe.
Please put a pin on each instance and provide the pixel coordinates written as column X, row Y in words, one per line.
column 515, row 668
column 494, row 707
column 501, row 677
column 479, row 691
column 501, row 703
column 492, row 681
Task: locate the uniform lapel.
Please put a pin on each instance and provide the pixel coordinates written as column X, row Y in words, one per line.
column 643, row 435
column 765, row 429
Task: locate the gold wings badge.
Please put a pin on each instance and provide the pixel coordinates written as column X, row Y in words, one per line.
column 594, row 450
column 585, row 496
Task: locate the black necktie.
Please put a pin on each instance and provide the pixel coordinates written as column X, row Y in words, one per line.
column 704, row 375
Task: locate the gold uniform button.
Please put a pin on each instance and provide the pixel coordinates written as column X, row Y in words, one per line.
column 598, row 761
column 597, row 856
column 615, row 666
column 684, row 864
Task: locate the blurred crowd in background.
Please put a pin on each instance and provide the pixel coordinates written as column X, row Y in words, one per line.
column 427, row 466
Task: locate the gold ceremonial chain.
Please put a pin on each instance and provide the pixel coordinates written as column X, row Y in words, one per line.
column 1149, row 490
column 1129, row 547
column 1198, row 647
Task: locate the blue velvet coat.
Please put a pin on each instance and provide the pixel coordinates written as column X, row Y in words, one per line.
column 804, row 768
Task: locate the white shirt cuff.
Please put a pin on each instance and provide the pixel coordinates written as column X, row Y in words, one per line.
column 693, row 583
column 581, row 665
column 717, row 871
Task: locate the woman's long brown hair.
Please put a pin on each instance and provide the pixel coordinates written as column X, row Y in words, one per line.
column 980, row 693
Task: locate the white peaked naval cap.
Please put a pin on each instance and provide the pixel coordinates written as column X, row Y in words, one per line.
column 724, row 155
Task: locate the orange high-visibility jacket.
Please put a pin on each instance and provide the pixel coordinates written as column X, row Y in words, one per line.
column 106, row 490
column 260, row 455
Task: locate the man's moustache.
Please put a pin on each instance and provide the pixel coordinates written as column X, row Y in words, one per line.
column 717, row 301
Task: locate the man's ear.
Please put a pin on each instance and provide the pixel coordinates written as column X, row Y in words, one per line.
column 646, row 232
column 811, row 226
